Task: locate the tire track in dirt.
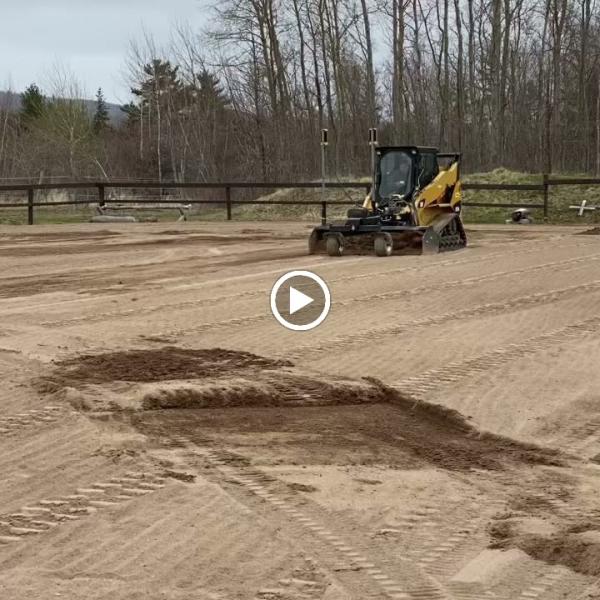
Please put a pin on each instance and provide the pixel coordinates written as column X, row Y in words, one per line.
column 583, row 438
column 220, row 526
column 535, row 583
column 68, row 452
column 409, row 581
column 208, row 531
column 488, row 309
column 97, row 318
column 34, row 447
column 421, row 385
column 441, row 263
column 49, row 513
column 216, row 300
column 443, row 558
column 310, row 584
column 442, row 538
column 116, row 314
column 458, row 283
column 103, row 556
column 458, row 261
column 465, row 535
column 575, row 440
column 23, row 487
column 9, row 425
column 543, row 584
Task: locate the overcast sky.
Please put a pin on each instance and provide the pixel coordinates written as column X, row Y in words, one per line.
column 88, row 37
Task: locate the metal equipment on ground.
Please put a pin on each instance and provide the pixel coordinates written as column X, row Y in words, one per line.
column 521, row 216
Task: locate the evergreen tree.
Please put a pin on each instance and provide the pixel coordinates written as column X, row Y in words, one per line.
column 209, row 92
column 160, row 80
column 101, row 117
column 132, row 111
column 33, row 104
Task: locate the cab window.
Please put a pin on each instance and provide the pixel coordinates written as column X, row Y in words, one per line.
column 429, row 169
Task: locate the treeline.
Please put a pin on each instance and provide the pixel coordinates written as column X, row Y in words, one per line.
column 512, row 83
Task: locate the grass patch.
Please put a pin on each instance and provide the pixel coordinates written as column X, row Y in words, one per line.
column 312, row 213
column 559, row 199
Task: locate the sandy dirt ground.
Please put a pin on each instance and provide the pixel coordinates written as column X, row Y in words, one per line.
column 163, row 437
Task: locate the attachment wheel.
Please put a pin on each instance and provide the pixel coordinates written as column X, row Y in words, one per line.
column 334, row 245
column 383, row 244
column 313, row 242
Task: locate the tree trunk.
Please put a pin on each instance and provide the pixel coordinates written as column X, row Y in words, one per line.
column 371, row 91
column 398, row 66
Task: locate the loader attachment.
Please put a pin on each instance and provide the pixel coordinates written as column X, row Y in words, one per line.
column 444, row 234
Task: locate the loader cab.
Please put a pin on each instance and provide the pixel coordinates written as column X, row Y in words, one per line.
column 395, row 173
column 400, row 170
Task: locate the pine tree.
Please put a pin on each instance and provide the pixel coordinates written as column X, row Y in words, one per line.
column 132, row 112
column 101, row 117
column 210, row 93
column 33, row 104
column 160, row 84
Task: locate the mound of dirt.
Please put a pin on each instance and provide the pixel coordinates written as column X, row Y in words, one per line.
column 376, row 433
column 246, row 392
column 416, row 434
column 160, row 364
column 593, row 231
column 576, row 547
column 264, row 390
column 442, row 437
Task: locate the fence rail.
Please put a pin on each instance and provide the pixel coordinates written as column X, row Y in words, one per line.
column 102, row 186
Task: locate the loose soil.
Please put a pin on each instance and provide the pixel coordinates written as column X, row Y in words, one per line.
column 574, row 548
column 156, row 440
column 424, row 432
column 160, row 364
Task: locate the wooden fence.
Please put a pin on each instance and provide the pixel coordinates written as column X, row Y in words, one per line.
column 101, row 188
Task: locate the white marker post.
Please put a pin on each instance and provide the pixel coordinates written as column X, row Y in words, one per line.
column 324, row 144
column 373, row 144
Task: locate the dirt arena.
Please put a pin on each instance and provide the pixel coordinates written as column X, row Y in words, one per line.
column 163, row 437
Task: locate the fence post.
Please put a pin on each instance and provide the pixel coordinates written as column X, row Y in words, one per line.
column 228, row 202
column 101, row 195
column 30, row 206
column 323, row 212
column 546, row 186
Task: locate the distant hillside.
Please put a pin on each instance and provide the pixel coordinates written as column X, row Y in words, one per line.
column 12, row 101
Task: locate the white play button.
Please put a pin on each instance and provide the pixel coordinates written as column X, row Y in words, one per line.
column 298, row 300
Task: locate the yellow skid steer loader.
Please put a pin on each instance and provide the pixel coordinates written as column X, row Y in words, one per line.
column 414, row 204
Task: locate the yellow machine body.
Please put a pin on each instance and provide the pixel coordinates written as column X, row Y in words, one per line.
column 443, row 194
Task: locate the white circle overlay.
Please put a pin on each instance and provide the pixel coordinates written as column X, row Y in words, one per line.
column 319, row 282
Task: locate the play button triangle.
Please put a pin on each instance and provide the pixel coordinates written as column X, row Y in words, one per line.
column 298, row 300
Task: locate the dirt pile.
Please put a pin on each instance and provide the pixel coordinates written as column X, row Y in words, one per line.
column 264, row 390
column 576, row 547
column 245, row 392
column 372, row 433
column 593, row 231
column 160, row 364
